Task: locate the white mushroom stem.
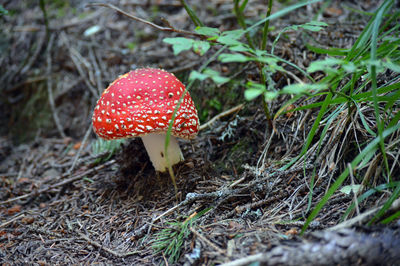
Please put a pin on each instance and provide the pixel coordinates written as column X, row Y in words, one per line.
column 155, row 147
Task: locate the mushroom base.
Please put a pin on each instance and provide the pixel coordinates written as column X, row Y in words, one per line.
column 155, row 143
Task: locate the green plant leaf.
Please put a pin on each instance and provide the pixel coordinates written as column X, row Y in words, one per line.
column 317, row 23
column 195, row 75
column 233, row 34
column 207, row 31
column 314, row 25
column 253, row 90
column 252, row 93
column 220, row 80
column 215, row 76
column 326, row 65
column 271, row 95
column 348, row 189
column 300, row 88
column 349, row 67
column 201, row 47
column 179, row 44
column 227, row 40
column 227, row 58
column 241, row 48
column 392, row 66
column 271, row 61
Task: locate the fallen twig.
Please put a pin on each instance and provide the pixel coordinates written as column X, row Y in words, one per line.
column 108, row 250
column 50, row 88
column 208, row 242
column 219, row 116
column 80, row 149
column 246, row 260
column 12, row 220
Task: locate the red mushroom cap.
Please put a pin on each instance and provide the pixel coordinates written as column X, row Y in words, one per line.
column 142, row 102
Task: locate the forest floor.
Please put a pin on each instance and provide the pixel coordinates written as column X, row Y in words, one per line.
column 63, row 204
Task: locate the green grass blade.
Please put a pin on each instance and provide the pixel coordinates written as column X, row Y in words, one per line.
column 386, row 206
column 391, row 218
column 330, row 51
column 313, row 131
column 192, row 14
column 371, row 148
column 374, row 43
column 368, row 194
column 330, row 120
column 266, row 26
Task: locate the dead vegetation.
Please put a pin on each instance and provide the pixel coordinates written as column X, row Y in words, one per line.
column 60, row 204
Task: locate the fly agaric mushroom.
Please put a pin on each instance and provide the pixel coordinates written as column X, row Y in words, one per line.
column 140, row 104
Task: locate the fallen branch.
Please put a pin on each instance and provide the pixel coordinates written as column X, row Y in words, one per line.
column 359, row 246
column 158, row 27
